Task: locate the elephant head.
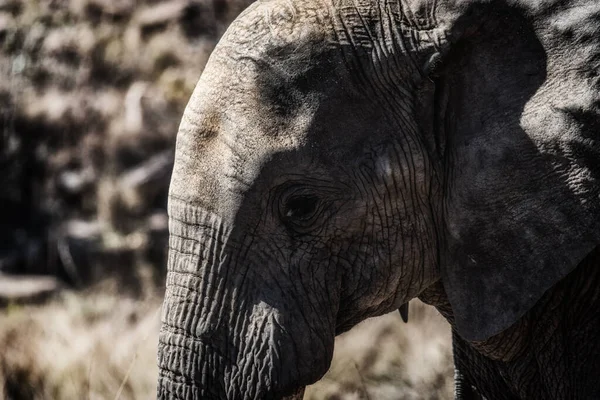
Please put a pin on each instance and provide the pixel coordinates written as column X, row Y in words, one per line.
column 338, row 158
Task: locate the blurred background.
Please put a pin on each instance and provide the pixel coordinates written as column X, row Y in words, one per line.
column 91, row 94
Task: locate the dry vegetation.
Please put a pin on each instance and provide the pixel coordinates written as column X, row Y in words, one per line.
column 385, row 359
column 91, row 93
column 94, row 345
column 80, row 346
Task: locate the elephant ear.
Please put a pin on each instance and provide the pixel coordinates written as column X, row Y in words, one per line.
column 522, row 190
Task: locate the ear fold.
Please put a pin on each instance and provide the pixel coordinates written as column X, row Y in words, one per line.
column 522, row 202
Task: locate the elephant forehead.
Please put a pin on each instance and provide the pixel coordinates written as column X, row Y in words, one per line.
column 258, row 84
column 223, row 147
column 245, row 111
column 267, row 25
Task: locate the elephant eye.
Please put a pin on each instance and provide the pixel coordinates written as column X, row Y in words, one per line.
column 300, row 208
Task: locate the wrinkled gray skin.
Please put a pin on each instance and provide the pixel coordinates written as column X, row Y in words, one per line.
column 339, row 158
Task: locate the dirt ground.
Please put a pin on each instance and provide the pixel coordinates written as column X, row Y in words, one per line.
column 91, row 94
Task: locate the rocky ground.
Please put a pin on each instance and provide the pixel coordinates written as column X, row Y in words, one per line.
column 91, row 93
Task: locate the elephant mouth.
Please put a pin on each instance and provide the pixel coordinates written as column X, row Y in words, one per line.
column 298, row 395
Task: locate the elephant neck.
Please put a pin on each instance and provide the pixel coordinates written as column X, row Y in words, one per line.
column 566, row 311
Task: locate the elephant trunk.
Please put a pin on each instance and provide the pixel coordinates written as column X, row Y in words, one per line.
column 196, row 353
column 223, row 335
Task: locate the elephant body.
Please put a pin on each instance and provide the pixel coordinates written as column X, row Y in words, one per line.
column 339, row 158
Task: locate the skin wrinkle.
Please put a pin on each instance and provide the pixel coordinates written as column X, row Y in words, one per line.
column 299, row 296
column 211, row 286
column 185, row 348
column 368, row 255
column 251, row 354
column 387, row 213
column 381, row 87
column 398, row 45
column 252, row 235
column 176, row 374
column 389, row 86
column 352, row 62
column 373, row 226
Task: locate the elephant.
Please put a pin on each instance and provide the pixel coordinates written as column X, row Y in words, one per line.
column 339, row 158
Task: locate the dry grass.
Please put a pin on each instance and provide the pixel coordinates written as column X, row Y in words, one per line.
column 81, row 346
column 96, row 345
column 385, row 359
